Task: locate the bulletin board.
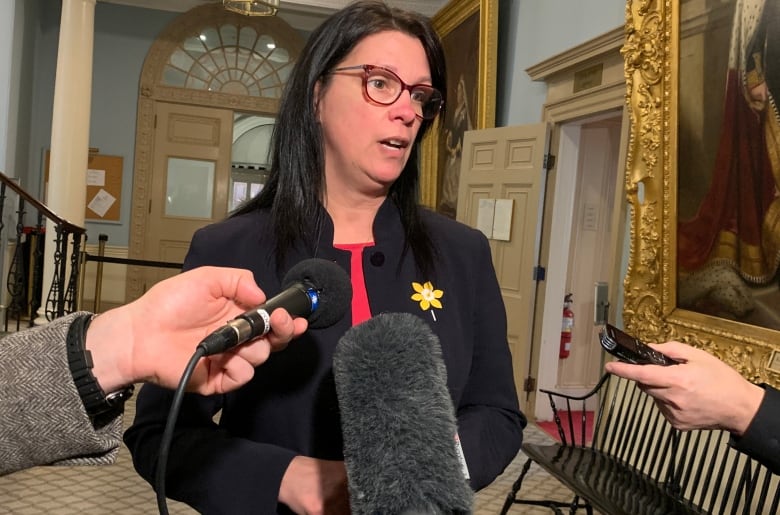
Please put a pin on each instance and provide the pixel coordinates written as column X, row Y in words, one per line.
column 104, row 187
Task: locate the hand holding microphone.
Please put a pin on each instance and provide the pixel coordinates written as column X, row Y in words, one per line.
column 151, row 338
column 316, row 289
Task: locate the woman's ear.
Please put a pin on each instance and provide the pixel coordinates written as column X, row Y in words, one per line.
column 316, row 98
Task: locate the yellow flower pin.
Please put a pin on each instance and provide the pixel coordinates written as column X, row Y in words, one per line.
column 427, row 296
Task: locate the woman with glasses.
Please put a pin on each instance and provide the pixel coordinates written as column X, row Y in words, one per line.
column 343, row 186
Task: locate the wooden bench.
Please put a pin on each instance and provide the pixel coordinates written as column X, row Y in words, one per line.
column 638, row 464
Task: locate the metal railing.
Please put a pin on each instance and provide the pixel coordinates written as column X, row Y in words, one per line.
column 24, row 280
column 101, row 258
column 25, row 273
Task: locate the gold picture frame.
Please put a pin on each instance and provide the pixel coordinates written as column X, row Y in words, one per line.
column 468, row 29
column 650, row 310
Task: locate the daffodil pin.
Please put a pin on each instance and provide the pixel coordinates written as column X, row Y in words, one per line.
column 427, row 296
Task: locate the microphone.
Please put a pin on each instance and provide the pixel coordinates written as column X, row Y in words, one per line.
column 398, row 421
column 317, row 289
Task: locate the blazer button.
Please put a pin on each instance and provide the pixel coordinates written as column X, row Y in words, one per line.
column 377, row 259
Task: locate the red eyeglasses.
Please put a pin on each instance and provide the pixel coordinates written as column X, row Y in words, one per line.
column 384, row 87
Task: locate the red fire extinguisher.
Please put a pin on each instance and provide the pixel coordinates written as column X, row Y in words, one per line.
column 566, row 327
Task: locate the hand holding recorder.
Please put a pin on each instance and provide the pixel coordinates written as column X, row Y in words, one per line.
column 703, row 392
column 631, row 350
column 700, row 392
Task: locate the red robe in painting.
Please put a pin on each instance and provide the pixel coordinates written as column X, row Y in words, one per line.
column 728, row 224
column 738, row 222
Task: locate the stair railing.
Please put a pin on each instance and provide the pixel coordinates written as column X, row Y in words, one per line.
column 24, row 281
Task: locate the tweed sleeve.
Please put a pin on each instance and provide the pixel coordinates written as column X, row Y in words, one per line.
column 42, row 417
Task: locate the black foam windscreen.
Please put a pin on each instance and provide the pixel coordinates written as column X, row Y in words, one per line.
column 398, row 420
column 333, row 286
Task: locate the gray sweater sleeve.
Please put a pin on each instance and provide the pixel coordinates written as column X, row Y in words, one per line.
column 42, row 417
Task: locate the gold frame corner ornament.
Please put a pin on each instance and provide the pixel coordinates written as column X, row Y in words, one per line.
column 446, row 22
column 650, row 311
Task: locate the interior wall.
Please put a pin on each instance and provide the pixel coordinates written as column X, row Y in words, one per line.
column 531, row 31
column 7, row 9
column 17, row 160
column 591, row 254
column 46, row 35
column 123, row 36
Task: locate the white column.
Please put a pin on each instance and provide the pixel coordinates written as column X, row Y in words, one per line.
column 66, row 189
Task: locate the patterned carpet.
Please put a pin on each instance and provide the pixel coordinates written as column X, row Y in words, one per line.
column 118, row 490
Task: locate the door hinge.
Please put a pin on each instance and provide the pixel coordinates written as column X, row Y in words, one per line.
column 150, row 205
column 539, row 273
column 529, row 385
column 549, row 161
column 155, row 122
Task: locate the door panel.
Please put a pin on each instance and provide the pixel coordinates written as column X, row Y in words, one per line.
column 190, row 178
column 189, row 188
column 508, row 163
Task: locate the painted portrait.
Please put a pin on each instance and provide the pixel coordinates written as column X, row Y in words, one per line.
column 461, row 48
column 468, row 30
column 728, row 233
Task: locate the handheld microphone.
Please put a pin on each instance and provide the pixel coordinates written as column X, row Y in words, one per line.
column 317, row 289
column 398, row 421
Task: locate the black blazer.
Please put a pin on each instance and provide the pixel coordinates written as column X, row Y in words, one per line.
column 290, row 407
column 762, row 438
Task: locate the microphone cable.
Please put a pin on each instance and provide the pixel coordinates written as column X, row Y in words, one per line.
column 170, row 424
column 317, row 289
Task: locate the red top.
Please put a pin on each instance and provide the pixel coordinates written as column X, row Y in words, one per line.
column 360, row 309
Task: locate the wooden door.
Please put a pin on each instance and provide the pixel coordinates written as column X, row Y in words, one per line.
column 189, row 183
column 508, row 163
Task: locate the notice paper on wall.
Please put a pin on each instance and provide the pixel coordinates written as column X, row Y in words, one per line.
column 101, row 202
column 103, row 184
column 502, row 219
column 494, row 218
column 485, row 213
column 96, row 177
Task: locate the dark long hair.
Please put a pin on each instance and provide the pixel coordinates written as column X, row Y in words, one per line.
column 295, row 187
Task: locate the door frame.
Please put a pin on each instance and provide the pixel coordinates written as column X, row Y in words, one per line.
column 510, row 159
column 564, row 196
column 152, row 90
column 566, row 108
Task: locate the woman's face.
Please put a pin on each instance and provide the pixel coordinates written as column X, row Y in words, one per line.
column 367, row 144
column 461, row 92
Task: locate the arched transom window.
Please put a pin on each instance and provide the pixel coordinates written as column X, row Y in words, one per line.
column 231, row 59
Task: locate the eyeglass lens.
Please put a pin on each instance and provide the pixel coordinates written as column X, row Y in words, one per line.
column 384, row 87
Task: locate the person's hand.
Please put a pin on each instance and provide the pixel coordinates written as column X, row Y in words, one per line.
column 701, row 392
column 759, row 96
column 315, row 487
column 153, row 338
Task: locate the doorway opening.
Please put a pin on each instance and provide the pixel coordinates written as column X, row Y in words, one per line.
column 250, row 157
column 589, row 220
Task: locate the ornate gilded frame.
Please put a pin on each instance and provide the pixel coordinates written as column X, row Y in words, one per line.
column 651, row 54
column 447, row 22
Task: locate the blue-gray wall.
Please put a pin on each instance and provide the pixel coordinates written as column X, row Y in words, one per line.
column 530, row 31
column 7, row 13
column 123, row 36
